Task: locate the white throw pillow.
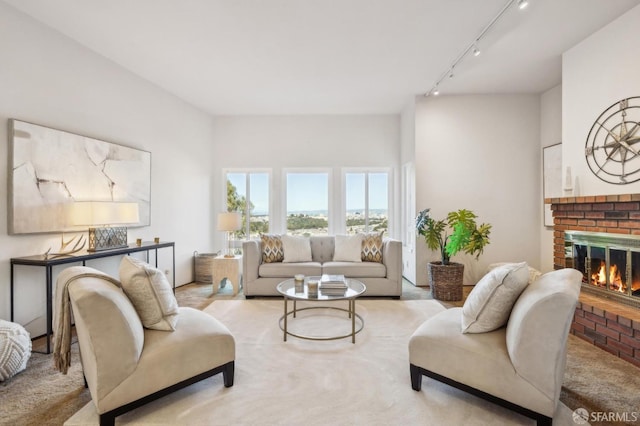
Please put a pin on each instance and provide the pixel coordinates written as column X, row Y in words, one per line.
column 150, row 293
column 348, row 248
column 489, row 304
column 534, row 274
column 296, row 249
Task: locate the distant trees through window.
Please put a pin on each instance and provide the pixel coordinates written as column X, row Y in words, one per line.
column 305, row 198
column 307, row 203
column 367, row 202
column 248, row 193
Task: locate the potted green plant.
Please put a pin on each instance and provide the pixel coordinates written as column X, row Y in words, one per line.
column 459, row 232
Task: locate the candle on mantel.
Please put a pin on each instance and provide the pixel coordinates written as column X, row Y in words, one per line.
column 568, row 181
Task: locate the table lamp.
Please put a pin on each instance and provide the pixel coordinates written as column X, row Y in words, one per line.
column 101, row 216
column 229, row 222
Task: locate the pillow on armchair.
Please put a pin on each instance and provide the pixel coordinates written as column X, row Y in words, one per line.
column 489, row 304
column 150, row 293
column 534, row 274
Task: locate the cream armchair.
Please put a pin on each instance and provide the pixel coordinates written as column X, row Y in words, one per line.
column 125, row 365
column 520, row 366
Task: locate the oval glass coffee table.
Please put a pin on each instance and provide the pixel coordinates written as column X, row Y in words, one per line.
column 299, row 291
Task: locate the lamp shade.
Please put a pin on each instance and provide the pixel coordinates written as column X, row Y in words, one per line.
column 104, row 213
column 229, row 221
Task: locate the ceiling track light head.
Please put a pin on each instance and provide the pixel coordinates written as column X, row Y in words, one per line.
column 476, row 51
column 522, row 4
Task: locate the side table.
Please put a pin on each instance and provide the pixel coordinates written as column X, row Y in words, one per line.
column 49, row 262
column 229, row 268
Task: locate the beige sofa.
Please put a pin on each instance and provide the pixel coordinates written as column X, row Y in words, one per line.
column 126, row 365
column 520, row 366
column 381, row 279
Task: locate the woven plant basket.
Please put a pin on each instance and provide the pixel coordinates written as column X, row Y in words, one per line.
column 445, row 280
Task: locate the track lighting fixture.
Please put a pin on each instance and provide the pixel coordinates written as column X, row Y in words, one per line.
column 473, row 47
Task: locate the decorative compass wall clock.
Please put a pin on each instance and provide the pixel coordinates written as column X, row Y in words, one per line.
column 612, row 149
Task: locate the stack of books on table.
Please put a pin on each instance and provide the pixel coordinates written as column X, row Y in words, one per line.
column 333, row 285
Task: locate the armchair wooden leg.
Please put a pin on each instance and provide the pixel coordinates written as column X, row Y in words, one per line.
column 416, row 377
column 107, row 420
column 227, row 374
column 544, row 421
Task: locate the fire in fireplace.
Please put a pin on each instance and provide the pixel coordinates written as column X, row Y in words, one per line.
column 610, row 263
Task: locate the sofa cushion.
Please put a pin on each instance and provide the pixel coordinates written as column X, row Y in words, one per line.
column 489, row 304
column 372, row 247
column 272, row 250
column 322, row 248
column 288, row 270
column 355, row 269
column 348, row 248
column 150, row 293
column 296, row 249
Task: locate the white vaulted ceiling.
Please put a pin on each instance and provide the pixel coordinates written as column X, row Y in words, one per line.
column 326, row 56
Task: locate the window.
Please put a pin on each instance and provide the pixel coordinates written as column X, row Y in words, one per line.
column 366, row 202
column 248, row 193
column 307, row 203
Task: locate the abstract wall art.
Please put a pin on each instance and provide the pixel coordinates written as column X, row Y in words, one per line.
column 50, row 169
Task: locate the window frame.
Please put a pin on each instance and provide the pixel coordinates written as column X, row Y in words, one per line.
column 342, row 218
column 330, row 189
column 248, row 171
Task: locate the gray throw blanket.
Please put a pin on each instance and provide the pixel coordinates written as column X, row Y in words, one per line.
column 62, row 318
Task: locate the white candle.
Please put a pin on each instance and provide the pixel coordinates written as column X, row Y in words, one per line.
column 568, row 181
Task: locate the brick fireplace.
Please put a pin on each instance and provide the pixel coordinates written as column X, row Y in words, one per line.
column 600, row 320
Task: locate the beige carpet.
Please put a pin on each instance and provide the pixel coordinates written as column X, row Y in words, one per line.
column 320, row 383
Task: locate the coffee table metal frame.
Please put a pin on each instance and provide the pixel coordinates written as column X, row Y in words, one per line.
column 290, row 289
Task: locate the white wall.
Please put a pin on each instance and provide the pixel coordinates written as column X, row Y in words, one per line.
column 407, row 199
column 550, row 134
column 48, row 79
column 328, row 141
column 596, row 73
column 481, row 153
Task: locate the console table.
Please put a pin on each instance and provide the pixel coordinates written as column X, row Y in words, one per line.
column 49, row 263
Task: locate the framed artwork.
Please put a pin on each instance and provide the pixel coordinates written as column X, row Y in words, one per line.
column 552, row 177
column 50, row 169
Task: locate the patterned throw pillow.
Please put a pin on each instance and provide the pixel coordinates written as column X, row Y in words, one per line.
column 372, row 247
column 272, row 250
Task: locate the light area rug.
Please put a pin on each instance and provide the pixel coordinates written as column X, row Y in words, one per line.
column 331, row 382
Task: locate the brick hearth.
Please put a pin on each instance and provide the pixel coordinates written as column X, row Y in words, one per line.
column 607, row 324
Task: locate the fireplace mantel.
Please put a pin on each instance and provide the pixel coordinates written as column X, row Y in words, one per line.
column 593, row 199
